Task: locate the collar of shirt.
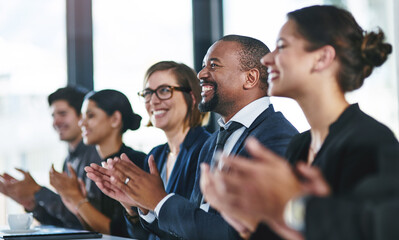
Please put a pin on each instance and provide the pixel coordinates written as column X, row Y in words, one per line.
column 246, row 116
column 77, row 150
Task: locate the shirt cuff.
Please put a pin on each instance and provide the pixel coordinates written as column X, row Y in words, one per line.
column 149, row 217
column 160, row 204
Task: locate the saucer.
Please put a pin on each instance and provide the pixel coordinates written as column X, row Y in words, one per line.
column 16, row 231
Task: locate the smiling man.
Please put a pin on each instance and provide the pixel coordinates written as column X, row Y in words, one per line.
column 234, row 84
column 47, row 206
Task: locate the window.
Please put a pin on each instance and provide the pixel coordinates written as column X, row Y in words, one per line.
column 130, row 36
column 262, row 20
column 379, row 94
column 32, row 65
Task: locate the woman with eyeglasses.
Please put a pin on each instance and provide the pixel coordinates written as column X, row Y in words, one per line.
column 171, row 95
column 106, row 116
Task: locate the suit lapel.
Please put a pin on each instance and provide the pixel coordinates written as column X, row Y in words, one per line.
column 177, row 169
column 196, row 195
column 188, row 141
column 241, row 141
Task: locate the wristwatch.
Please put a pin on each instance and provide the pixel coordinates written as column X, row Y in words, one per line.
column 294, row 213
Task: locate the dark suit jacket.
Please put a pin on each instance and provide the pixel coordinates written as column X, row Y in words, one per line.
column 349, row 152
column 370, row 212
column 183, row 219
column 348, row 156
column 182, row 178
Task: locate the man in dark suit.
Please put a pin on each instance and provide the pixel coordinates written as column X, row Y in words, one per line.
column 234, row 85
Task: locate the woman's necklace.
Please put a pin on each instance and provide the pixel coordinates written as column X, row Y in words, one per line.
column 171, row 159
column 172, row 154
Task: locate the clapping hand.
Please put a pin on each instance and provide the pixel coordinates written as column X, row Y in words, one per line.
column 71, row 189
column 146, row 189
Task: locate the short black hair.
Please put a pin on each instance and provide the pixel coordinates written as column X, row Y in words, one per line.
column 252, row 51
column 72, row 94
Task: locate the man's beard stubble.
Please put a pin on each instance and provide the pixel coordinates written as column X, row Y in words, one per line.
column 210, row 105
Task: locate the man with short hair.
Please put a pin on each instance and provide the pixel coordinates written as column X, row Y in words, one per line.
column 47, row 206
column 234, row 85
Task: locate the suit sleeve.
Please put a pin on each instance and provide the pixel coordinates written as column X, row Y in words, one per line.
column 134, row 228
column 51, row 210
column 192, row 223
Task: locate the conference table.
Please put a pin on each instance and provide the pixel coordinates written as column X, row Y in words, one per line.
column 52, row 232
column 108, row 237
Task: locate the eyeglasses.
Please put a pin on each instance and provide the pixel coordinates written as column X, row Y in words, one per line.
column 163, row 92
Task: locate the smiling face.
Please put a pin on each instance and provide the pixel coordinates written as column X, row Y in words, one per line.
column 289, row 65
column 221, row 78
column 65, row 121
column 169, row 114
column 96, row 124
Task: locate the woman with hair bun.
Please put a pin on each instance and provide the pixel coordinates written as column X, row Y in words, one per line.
column 321, row 53
column 107, row 115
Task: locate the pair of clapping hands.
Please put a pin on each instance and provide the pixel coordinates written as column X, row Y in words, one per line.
column 249, row 191
column 122, row 180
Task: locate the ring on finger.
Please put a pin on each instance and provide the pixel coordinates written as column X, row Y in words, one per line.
column 127, row 180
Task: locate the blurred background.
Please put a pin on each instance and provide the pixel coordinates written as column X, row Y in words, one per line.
column 98, row 44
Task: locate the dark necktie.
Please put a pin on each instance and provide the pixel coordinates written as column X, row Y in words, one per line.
column 224, row 134
column 221, row 139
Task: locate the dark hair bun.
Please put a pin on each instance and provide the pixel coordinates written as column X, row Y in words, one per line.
column 135, row 122
column 111, row 101
column 374, row 51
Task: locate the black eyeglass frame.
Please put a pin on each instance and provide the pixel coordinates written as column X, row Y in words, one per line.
column 152, row 91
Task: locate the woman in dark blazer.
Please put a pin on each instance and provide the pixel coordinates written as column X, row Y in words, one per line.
column 316, row 64
column 171, row 95
column 321, row 54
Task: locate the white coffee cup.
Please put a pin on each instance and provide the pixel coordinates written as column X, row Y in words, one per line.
column 20, row 221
